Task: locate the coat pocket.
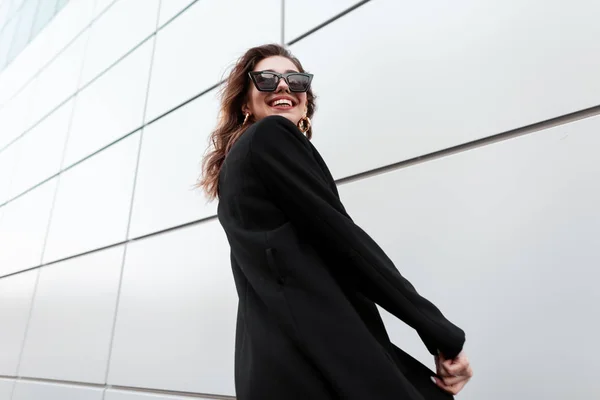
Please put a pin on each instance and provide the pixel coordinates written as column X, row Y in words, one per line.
column 272, row 262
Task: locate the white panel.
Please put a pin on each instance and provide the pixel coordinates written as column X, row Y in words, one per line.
column 9, row 32
column 58, row 80
column 14, row 116
column 22, row 69
column 190, row 59
column 74, row 346
column 168, row 9
column 176, row 319
column 303, row 15
column 9, row 157
column 46, row 391
column 16, row 293
column 26, row 16
column 46, row 11
column 101, row 6
column 93, row 201
column 23, row 229
column 111, row 106
column 64, row 27
column 42, row 150
column 164, row 193
column 43, row 47
column 6, row 388
column 418, row 81
column 116, row 32
column 131, row 395
column 4, row 10
column 504, row 239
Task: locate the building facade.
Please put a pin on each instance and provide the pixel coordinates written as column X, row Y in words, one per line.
column 474, row 124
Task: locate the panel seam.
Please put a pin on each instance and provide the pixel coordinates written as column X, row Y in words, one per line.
column 282, row 23
column 529, row 129
column 47, row 230
column 132, row 201
column 548, row 123
column 328, row 21
column 194, row 395
column 58, row 53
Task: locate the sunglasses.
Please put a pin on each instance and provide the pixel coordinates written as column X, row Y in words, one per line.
column 267, row 81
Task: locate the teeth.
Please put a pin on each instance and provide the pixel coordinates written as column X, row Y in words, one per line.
column 282, row 102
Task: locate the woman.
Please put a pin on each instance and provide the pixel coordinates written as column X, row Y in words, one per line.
column 307, row 277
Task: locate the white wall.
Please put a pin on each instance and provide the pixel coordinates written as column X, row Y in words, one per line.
column 106, row 289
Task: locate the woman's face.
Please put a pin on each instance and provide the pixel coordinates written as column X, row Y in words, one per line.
column 291, row 105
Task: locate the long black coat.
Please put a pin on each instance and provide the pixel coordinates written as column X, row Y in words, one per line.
column 308, row 280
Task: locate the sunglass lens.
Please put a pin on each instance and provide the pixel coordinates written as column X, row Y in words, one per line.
column 298, row 83
column 266, row 81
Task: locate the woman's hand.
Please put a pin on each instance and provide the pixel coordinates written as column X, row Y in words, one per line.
column 455, row 373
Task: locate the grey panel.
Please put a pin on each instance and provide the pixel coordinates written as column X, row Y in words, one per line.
column 23, row 229
column 41, row 150
column 177, row 310
column 504, row 239
column 303, row 15
column 170, row 166
column 115, row 33
column 132, row 395
column 16, row 294
column 9, row 158
column 6, row 385
column 188, row 59
column 72, row 318
column 429, row 75
column 47, row 391
column 111, row 106
column 59, row 80
column 16, row 113
column 93, row 201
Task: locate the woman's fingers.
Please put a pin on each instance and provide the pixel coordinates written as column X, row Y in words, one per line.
column 452, row 389
column 456, row 367
column 453, row 380
column 462, row 370
column 453, row 373
column 440, row 366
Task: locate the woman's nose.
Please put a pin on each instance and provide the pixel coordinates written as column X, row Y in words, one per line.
column 282, row 86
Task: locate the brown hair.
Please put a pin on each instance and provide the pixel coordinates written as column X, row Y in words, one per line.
column 230, row 124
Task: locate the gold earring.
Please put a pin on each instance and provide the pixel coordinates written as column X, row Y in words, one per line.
column 246, row 119
column 304, row 124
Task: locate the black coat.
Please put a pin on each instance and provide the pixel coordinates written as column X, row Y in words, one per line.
column 308, row 280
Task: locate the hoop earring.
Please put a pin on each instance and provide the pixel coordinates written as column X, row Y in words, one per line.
column 304, row 124
column 246, row 119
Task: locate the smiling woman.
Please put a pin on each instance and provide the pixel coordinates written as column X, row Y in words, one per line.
column 277, row 75
column 307, row 277
column 276, row 93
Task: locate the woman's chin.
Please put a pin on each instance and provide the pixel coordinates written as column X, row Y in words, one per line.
column 287, row 114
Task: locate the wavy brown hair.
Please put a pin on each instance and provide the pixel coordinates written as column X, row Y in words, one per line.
column 230, row 125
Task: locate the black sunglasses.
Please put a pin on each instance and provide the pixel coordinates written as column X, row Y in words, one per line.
column 267, row 81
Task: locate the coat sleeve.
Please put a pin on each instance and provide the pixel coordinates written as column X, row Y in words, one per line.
column 283, row 159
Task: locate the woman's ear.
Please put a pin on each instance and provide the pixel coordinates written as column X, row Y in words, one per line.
column 246, row 109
